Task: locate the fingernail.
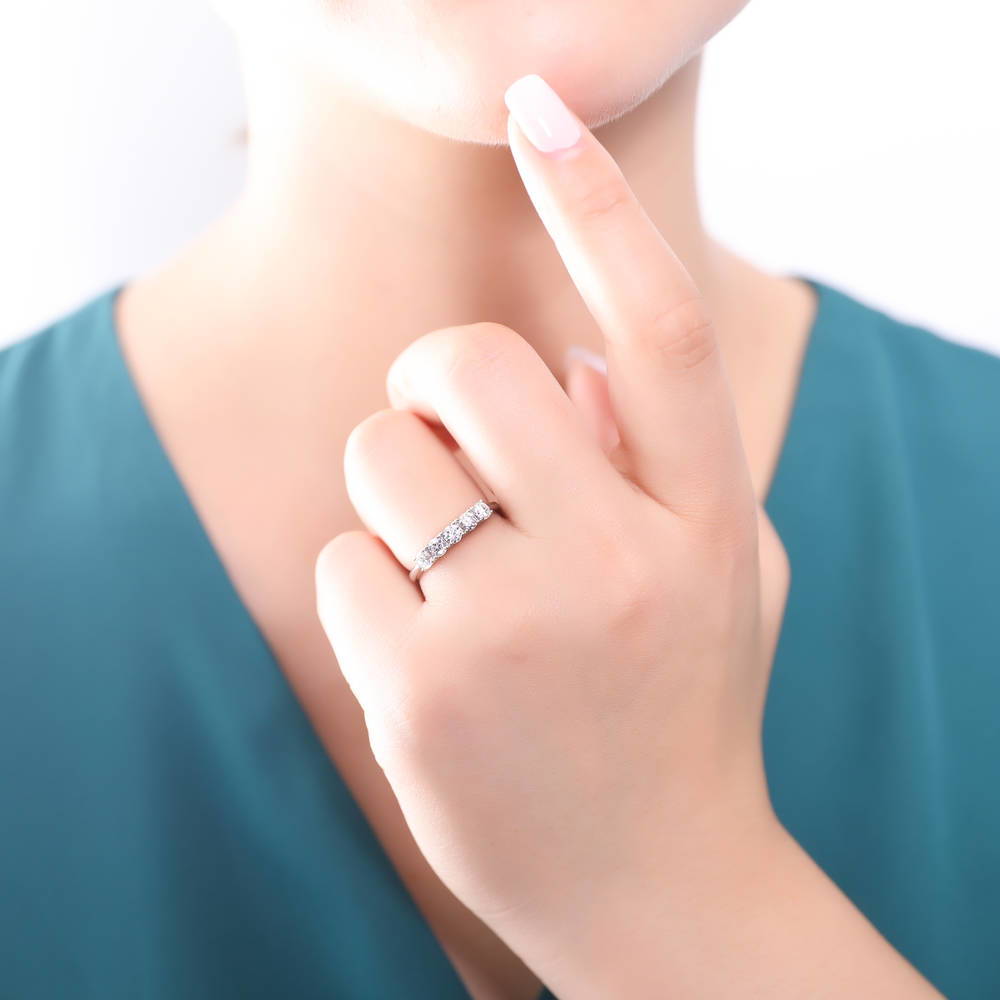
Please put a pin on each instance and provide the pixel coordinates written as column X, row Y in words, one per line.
column 576, row 352
column 541, row 114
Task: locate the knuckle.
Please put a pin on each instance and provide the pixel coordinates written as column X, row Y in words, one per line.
column 681, row 334
column 631, row 591
column 775, row 565
column 731, row 541
column 513, row 640
column 339, row 548
column 380, row 741
column 603, row 200
column 378, row 434
column 424, row 722
column 334, row 567
column 469, row 351
column 633, row 608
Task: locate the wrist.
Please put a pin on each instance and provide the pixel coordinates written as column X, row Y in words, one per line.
column 613, row 930
column 660, row 925
column 747, row 915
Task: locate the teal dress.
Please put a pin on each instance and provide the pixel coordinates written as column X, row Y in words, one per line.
column 171, row 828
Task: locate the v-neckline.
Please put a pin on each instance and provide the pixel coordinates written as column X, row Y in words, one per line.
column 203, row 547
column 796, row 425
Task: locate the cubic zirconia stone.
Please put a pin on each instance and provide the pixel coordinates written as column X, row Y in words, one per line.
column 453, row 532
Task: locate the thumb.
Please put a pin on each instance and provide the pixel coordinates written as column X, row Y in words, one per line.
column 587, row 387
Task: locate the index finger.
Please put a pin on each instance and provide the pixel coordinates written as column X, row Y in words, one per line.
column 667, row 383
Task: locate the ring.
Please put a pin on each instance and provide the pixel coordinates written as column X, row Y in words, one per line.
column 451, row 533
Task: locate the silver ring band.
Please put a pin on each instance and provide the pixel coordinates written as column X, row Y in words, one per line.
column 451, row 533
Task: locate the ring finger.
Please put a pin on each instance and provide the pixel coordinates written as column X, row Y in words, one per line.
column 406, row 485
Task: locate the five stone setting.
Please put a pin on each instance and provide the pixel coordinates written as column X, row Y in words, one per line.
column 449, row 535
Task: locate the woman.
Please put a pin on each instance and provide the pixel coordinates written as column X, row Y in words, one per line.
column 235, row 769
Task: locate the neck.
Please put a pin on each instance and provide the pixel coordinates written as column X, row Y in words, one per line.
column 356, row 234
column 356, row 221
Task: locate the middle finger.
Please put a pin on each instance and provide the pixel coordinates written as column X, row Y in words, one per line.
column 510, row 416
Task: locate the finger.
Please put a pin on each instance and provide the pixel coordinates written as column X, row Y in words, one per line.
column 587, row 387
column 510, row 417
column 406, row 486
column 367, row 607
column 671, row 400
column 775, row 573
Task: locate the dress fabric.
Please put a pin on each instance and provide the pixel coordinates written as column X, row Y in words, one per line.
column 170, row 826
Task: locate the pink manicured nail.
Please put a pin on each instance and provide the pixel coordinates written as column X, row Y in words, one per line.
column 577, row 353
column 541, row 114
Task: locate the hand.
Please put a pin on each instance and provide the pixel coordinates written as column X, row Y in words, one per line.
column 578, row 684
column 568, row 705
column 583, row 676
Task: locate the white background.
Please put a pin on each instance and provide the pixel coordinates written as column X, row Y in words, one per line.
column 853, row 140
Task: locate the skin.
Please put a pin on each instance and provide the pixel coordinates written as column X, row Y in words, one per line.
column 382, row 203
column 569, row 709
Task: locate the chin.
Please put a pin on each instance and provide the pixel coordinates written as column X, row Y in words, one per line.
column 470, row 108
column 443, row 65
column 602, row 58
column 467, row 102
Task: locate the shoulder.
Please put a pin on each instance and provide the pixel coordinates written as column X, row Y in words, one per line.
column 937, row 397
column 58, row 396
column 894, row 442
column 907, row 354
column 50, row 377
